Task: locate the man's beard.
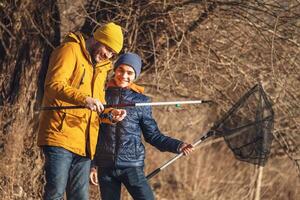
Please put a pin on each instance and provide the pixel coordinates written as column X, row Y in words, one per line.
column 96, row 57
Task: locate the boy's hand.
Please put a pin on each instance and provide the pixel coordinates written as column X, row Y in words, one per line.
column 118, row 114
column 93, row 176
column 186, row 148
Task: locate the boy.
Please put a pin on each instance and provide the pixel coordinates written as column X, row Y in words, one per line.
column 120, row 152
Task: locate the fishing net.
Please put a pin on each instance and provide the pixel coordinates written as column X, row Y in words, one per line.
column 247, row 127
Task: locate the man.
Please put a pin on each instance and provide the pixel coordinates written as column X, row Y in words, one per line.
column 76, row 76
column 120, row 152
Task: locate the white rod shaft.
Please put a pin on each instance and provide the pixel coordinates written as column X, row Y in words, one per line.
column 169, row 103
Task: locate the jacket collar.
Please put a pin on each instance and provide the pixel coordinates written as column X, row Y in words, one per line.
column 79, row 38
column 132, row 86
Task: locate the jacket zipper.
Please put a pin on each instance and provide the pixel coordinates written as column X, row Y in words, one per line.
column 117, row 130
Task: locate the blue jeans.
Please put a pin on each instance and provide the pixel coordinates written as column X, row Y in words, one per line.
column 133, row 178
column 65, row 171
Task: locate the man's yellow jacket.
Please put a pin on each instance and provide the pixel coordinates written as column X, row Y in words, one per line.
column 71, row 77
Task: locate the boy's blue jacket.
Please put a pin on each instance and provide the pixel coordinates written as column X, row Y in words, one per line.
column 120, row 145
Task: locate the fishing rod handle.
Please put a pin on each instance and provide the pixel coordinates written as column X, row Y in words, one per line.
column 149, row 176
column 83, row 107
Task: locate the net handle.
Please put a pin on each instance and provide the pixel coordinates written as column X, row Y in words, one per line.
column 156, row 171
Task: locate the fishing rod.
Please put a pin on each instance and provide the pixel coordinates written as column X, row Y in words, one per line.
column 176, row 103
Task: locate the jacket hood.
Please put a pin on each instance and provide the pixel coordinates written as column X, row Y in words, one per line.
column 78, row 37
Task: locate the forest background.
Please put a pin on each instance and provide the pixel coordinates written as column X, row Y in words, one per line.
column 205, row 49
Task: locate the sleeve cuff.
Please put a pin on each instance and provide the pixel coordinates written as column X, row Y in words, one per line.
column 178, row 147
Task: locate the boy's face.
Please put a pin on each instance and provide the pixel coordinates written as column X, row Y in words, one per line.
column 124, row 75
column 100, row 52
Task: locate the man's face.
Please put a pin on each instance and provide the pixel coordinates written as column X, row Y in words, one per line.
column 100, row 52
column 124, row 75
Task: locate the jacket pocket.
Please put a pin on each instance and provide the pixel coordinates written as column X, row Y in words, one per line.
column 52, row 121
column 72, row 123
column 80, row 113
column 140, row 151
column 81, row 79
column 60, row 126
column 78, row 76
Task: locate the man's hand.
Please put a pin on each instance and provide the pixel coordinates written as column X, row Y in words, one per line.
column 93, row 176
column 94, row 104
column 186, row 149
column 118, row 114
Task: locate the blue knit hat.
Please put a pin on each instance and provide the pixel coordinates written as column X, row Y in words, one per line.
column 132, row 60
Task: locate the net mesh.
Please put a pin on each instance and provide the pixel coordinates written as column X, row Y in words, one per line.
column 247, row 127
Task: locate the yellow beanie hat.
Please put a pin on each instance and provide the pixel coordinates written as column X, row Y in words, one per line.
column 110, row 35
